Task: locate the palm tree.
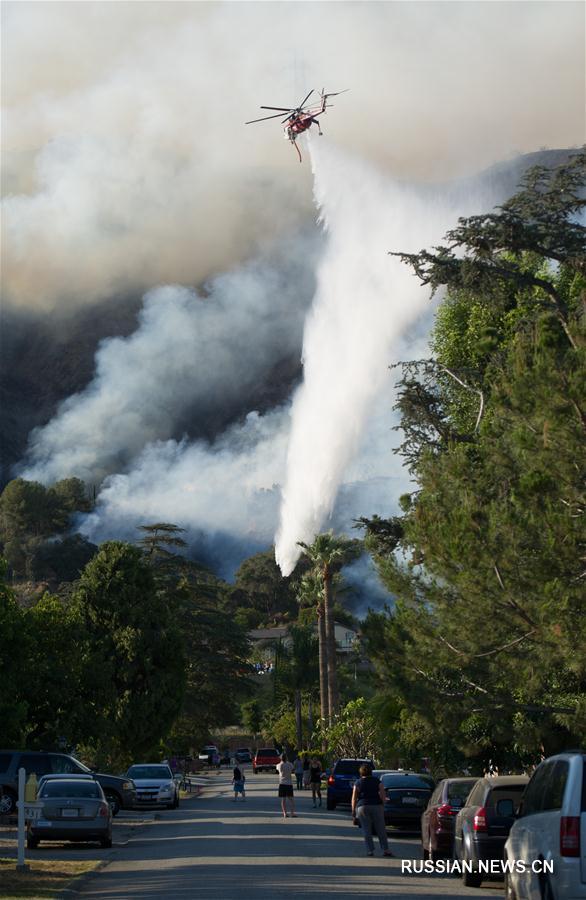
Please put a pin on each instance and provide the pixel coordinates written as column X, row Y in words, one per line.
column 298, row 670
column 311, row 593
column 325, row 551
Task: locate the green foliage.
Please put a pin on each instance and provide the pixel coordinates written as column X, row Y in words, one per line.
column 355, row 732
column 14, row 649
column 30, row 514
column 259, row 585
column 251, row 714
column 485, row 648
column 133, row 649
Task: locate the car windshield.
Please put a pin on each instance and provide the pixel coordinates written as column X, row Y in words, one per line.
column 82, row 789
column 138, row 772
column 406, row 781
column 349, row 766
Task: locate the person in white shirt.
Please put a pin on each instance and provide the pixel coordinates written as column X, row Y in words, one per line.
column 285, row 772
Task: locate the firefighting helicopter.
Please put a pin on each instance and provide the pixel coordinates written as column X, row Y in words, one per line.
column 300, row 118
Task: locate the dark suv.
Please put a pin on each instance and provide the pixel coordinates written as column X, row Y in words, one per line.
column 341, row 780
column 483, row 824
column 119, row 792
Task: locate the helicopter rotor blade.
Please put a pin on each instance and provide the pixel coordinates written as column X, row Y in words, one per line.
column 281, row 108
column 264, row 118
column 305, row 99
column 337, row 93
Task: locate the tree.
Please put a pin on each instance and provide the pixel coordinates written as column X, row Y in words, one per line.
column 15, row 649
column 354, row 734
column 325, row 553
column 133, row 650
column 260, row 584
column 298, row 672
column 311, row 595
column 486, row 640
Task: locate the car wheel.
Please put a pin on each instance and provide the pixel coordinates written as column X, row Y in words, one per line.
column 509, row 889
column 470, row 879
column 330, row 804
column 113, row 802
column 7, row 802
column 32, row 843
column 106, row 843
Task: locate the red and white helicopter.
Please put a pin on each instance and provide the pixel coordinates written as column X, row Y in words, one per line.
column 300, row 118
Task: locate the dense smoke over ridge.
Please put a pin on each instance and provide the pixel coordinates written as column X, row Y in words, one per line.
column 126, row 162
column 128, row 172
column 189, row 352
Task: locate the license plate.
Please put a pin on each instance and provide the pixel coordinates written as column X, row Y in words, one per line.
column 413, row 801
column 70, row 813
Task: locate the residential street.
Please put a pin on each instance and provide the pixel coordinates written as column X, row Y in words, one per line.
column 213, row 848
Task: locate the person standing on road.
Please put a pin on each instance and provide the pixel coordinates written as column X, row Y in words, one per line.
column 315, row 780
column 298, row 769
column 238, row 780
column 368, row 799
column 285, row 772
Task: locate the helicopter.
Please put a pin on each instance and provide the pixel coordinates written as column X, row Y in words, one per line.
column 300, row 118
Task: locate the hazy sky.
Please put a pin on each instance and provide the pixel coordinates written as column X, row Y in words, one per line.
column 126, row 162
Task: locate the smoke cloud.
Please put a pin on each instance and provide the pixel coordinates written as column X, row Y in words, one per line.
column 191, row 354
column 126, row 163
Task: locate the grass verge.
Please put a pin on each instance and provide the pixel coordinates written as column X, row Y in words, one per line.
column 45, row 878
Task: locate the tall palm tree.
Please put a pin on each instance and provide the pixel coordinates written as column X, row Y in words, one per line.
column 324, row 552
column 311, row 593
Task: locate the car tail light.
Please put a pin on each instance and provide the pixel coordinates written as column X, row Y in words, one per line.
column 570, row 836
column 104, row 810
column 446, row 810
column 480, row 820
column 331, row 780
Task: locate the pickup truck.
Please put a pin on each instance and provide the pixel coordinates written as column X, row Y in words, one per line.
column 268, row 758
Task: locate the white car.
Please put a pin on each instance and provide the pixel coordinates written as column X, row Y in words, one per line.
column 550, row 829
column 155, row 785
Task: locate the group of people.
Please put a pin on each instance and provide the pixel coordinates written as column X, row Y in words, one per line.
column 368, row 796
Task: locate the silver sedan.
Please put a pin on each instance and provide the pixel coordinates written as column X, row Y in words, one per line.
column 73, row 810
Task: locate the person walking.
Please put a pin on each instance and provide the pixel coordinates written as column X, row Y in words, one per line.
column 368, row 798
column 238, row 780
column 285, row 773
column 298, row 769
column 315, row 780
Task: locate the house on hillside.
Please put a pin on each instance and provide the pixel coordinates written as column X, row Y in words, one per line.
column 265, row 640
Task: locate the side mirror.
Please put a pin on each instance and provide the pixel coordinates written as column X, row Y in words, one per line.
column 506, row 809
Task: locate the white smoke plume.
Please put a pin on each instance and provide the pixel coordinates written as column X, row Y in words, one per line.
column 191, row 354
column 364, row 302
column 126, row 163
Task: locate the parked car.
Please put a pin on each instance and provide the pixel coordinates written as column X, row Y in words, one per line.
column 155, row 785
column 120, row 792
column 243, row 755
column 73, row 810
column 341, row 780
column 266, row 759
column 551, row 826
column 407, row 795
column 437, row 820
column 210, row 755
column 483, row 824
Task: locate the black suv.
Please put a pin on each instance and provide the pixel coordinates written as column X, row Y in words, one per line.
column 120, row 792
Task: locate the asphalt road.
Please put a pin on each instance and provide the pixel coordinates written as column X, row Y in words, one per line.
column 214, row 849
